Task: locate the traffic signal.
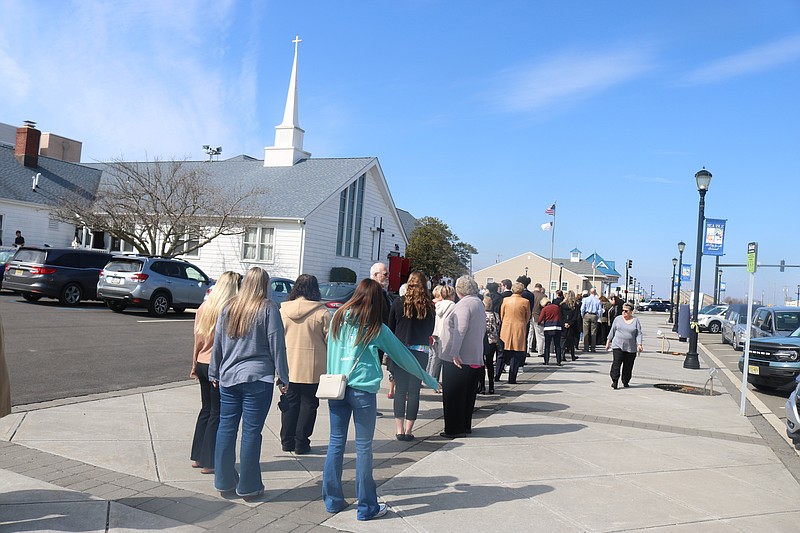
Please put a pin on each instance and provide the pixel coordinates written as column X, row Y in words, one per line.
column 783, row 265
column 630, row 263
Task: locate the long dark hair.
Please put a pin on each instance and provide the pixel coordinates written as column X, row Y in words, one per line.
column 305, row 286
column 366, row 312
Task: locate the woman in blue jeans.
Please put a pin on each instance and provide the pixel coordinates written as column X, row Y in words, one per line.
column 356, row 334
column 249, row 351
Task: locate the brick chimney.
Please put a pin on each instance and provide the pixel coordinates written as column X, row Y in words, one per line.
column 26, row 150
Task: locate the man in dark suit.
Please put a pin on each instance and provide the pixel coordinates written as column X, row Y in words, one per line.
column 505, row 288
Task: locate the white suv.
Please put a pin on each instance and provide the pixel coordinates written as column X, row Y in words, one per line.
column 710, row 318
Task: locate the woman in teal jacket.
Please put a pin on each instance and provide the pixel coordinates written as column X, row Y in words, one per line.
column 356, row 334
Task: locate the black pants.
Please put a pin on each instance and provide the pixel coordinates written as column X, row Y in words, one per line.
column 298, row 415
column 459, row 388
column 624, row 360
column 552, row 338
column 205, row 430
column 569, row 339
column 514, row 360
column 406, row 389
column 489, row 351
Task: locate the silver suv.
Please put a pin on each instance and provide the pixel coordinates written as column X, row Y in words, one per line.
column 156, row 283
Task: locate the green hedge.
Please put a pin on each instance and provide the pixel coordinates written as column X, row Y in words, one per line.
column 343, row 274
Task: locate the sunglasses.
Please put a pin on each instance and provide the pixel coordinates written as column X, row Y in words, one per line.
column 627, row 310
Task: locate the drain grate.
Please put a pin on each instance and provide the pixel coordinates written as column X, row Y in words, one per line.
column 686, row 389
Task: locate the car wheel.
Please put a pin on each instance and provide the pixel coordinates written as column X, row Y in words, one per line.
column 71, row 294
column 115, row 306
column 159, row 304
column 179, row 309
column 31, row 297
column 714, row 327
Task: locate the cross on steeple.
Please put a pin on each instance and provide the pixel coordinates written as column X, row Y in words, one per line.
column 297, row 40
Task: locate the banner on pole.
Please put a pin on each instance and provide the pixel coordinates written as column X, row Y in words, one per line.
column 721, row 286
column 714, row 241
column 686, row 272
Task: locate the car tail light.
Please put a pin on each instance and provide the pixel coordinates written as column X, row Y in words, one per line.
column 333, row 305
column 36, row 271
column 139, row 277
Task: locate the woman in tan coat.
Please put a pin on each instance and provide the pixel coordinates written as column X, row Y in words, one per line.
column 515, row 314
column 305, row 322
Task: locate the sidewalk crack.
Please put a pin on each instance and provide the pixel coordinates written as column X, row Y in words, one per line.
column 150, row 435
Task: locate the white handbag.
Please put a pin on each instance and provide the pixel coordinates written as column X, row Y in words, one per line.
column 332, row 386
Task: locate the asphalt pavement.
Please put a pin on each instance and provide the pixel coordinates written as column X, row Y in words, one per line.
column 559, row 451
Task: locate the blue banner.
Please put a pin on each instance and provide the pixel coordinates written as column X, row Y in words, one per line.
column 721, row 286
column 714, row 240
column 686, row 272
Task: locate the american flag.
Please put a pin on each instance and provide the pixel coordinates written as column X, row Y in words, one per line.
column 550, row 210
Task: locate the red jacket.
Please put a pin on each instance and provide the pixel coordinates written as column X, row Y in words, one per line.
column 550, row 317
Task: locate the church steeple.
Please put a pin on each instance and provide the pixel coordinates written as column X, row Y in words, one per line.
column 288, row 148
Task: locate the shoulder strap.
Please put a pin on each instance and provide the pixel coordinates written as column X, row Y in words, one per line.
column 357, row 359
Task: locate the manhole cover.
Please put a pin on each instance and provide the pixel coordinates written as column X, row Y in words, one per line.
column 686, row 389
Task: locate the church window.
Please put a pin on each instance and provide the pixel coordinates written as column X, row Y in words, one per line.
column 258, row 243
column 351, row 207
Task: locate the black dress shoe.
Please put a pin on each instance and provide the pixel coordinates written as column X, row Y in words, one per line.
column 626, row 385
column 453, row 436
column 614, row 385
column 302, row 451
column 574, row 357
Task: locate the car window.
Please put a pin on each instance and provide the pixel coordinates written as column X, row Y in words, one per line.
column 161, row 267
column 30, row 256
column 787, row 320
column 194, row 274
column 94, row 260
column 332, row 291
column 760, row 317
column 281, row 286
column 69, row 259
column 768, row 321
column 124, row 266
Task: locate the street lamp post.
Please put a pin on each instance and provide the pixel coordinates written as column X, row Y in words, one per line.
column 719, row 285
column 672, row 289
column 681, row 248
column 703, row 178
column 797, row 302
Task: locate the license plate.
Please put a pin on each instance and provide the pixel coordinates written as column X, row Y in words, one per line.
column 752, row 369
column 115, row 281
column 18, row 272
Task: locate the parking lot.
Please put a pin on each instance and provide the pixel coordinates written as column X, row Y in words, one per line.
column 57, row 352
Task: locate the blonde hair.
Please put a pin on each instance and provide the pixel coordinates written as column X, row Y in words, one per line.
column 248, row 303
column 445, row 292
column 488, row 303
column 226, row 288
column 517, row 287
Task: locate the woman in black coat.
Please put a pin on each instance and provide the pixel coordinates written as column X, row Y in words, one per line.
column 570, row 316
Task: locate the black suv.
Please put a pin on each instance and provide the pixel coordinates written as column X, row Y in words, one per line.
column 69, row 274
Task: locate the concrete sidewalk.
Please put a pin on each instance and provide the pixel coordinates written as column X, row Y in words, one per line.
column 559, row 451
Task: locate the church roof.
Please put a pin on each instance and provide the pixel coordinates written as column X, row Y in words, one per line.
column 59, row 179
column 292, row 192
column 408, row 221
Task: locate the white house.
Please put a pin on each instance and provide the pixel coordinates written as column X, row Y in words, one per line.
column 31, row 182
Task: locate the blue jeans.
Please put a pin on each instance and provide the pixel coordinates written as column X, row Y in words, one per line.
column 248, row 402
column 363, row 406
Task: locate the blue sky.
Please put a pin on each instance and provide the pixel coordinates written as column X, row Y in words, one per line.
column 481, row 113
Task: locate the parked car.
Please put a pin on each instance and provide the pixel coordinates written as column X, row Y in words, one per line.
column 68, row 274
column 279, row 289
column 774, row 362
column 710, row 318
column 774, row 322
column 793, row 414
column 336, row 293
column 655, row 305
column 734, row 330
column 6, row 253
column 155, row 283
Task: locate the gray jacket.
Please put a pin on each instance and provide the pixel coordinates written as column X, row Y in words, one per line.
column 464, row 331
column 260, row 354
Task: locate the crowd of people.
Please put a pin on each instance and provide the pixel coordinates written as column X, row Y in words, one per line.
column 452, row 339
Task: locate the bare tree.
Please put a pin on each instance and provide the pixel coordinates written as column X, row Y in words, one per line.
column 165, row 208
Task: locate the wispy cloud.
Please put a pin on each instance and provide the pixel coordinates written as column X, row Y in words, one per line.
column 567, row 77
column 648, row 179
column 757, row 59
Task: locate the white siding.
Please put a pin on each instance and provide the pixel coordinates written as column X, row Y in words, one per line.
column 33, row 221
column 225, row 252
column 321, row 228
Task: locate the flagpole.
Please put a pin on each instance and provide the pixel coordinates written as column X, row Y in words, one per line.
column 552, row 244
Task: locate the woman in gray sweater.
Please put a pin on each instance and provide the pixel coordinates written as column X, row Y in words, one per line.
column 625, row 338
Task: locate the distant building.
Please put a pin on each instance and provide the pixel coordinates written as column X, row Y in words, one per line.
column 572, row 273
